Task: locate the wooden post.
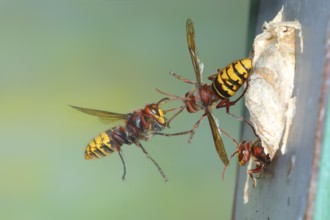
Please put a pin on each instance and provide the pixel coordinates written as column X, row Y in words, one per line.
column 290, row 185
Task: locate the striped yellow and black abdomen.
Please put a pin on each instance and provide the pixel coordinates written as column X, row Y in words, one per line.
column 231, row 78
column 100, row 146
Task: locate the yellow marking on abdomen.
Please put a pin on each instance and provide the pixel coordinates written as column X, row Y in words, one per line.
column 99, row 147
column 232, row 77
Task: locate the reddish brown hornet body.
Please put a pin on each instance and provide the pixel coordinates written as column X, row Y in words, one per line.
column 247, row 149
column 139, row 125
column 204, row 97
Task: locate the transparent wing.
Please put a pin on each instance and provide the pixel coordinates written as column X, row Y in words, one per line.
column 198, row 65
column 217, row 137
column 104, row 116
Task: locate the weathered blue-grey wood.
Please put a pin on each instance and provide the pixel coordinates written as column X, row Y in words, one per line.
column 285, row 191
column 322, row 202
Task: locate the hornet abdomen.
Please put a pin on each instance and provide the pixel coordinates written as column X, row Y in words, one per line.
column 231, row 78
column 106, row 143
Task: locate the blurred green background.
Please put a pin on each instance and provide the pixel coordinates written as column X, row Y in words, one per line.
column 110, row 55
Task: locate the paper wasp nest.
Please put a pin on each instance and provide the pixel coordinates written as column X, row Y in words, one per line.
column 269, row 96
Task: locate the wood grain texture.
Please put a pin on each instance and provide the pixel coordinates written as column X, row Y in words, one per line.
column 286, row 189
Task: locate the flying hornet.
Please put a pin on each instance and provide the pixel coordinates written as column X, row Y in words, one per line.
column 139, row 125
column 204, row 97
